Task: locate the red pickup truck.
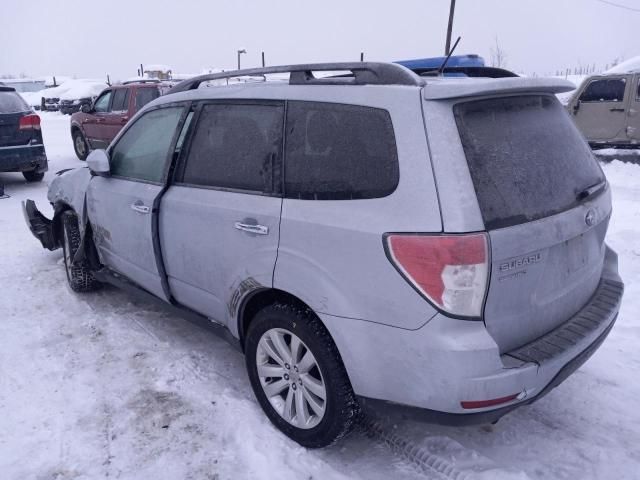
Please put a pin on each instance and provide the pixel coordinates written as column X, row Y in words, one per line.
column 96, row 125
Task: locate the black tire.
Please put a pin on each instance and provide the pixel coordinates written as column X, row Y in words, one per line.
column 342, row 409
column 79, row 276
column 33, row 176
column 80, row 145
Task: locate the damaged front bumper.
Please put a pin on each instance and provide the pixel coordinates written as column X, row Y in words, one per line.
column 41, row 227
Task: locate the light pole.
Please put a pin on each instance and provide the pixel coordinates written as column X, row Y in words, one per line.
column 447, row 47
column 240, row 52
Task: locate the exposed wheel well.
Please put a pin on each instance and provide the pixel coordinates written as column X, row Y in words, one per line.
column 258, row 301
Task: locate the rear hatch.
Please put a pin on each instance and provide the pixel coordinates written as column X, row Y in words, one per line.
column 545, row 204
column 12, row 109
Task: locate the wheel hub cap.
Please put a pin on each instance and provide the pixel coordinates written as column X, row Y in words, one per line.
column 290, row 378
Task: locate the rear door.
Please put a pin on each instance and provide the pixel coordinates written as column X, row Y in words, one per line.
column 544, row 201
column 219, row 223
column 94, row 123
column 601, row 111
column 121, row 206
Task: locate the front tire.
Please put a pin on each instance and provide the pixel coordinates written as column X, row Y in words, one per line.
column 33, row 176
column 80, row 145
column 79, row 277
column 298, row 377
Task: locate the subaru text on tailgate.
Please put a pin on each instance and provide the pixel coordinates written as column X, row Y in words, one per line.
column 375, row 240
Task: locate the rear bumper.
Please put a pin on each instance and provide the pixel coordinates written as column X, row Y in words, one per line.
column 40, row 226
column 23, row 158
column 429, row 372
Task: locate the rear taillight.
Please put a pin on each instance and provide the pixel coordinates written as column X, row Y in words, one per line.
column 29, row 122
column 449, row 270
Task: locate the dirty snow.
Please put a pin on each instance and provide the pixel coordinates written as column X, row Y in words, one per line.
column 101, row 385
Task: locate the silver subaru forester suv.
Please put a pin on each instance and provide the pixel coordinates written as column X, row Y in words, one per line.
column 370, row 239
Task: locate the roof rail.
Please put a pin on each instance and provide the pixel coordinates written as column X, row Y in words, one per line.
column 142, row 80
column 364, row 73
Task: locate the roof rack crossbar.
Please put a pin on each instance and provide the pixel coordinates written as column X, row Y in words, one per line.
column 364, row 73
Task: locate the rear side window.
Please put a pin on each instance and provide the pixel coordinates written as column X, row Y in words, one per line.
column 11, row 102
column 145, row 95
column 236, row 147
column 526, row 158
column 339, row 152
column 120, row 100
column 611, row 90
column 141, row 152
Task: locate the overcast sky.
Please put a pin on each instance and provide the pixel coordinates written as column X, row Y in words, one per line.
column 83, row 38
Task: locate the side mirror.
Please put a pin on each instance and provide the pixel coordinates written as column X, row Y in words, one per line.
column 576, row 107
column 98, row 163
column 86, row 108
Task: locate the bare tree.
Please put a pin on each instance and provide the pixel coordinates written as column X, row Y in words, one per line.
column 498, row 56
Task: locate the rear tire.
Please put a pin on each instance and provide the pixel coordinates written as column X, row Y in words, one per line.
column 79, row 277
column 322, row 421
column 33, row 176
column 80, row 145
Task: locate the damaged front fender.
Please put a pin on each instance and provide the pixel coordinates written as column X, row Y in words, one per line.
column 41, row 227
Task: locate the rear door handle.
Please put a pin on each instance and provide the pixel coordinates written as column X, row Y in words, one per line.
column 136, row 207
column 616, row 109
column 257, row 229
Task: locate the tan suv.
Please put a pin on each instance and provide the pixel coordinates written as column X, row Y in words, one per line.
column 606, row 108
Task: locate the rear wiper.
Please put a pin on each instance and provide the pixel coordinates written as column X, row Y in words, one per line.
column 591, row 190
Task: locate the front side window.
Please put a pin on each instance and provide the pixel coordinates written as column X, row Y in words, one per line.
column 610, row 90
column 141, row 152
column 102, row 104
column 236, row 147
column 339, row 152
column 145, row 95
column 120, row 100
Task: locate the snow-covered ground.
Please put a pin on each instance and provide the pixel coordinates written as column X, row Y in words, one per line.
column 100, row 385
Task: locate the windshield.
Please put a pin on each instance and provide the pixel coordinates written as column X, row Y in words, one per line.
column 526, row 158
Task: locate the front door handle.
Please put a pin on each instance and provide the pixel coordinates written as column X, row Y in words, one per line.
column 137, row 207
column 616, row 109
column 257, row 229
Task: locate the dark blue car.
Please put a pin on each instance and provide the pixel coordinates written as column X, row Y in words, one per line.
column 21, row 146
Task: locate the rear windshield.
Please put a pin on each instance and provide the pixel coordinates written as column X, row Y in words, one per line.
column 11, row 102
column 526, row 158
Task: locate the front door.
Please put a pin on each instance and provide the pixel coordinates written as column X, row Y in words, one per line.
column 219, row 223
column 600, row 112
column 121, row 206
column 94, row 122
column 118, row 115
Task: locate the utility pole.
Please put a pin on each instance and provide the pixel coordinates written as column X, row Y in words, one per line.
column 447, row 47
column 240, row 52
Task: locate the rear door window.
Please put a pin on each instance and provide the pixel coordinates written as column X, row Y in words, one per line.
column 236, row 147
column 11, row 102
column 610, row 90
column 145, row 95
column 526, row 158
column 141, row 153
column 120, row 100
column 339, row 152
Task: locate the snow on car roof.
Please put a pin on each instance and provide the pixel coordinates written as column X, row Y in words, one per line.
column 628, row 66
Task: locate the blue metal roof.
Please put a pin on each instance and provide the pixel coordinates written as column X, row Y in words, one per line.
column 471, row 60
